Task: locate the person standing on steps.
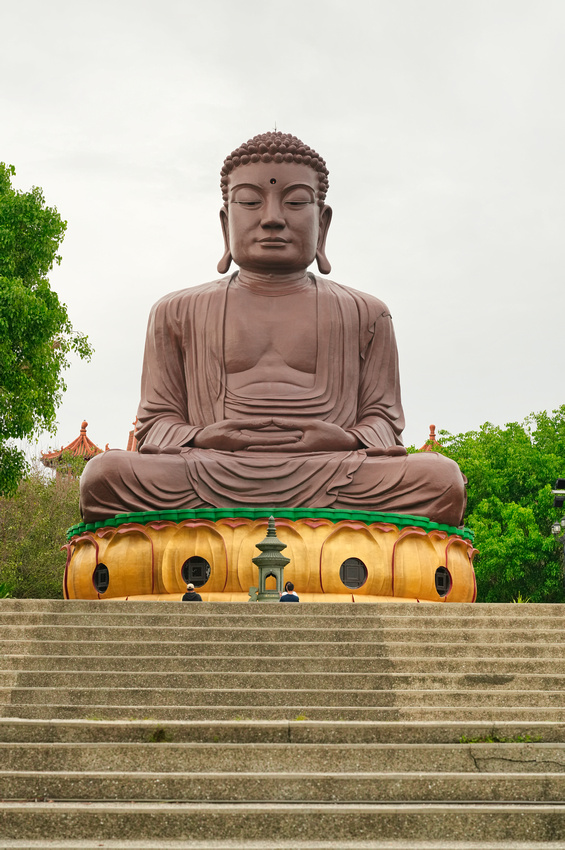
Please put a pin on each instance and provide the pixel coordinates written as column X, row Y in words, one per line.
column 289, row 594
column 191, row 595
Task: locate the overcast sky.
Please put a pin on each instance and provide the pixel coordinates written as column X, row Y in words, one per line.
column 442, row 124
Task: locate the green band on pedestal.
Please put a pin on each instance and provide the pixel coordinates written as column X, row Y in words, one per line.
column 215, row 514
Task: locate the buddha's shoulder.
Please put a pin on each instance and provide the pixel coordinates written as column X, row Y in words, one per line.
column 182, row 298
column 363, row 300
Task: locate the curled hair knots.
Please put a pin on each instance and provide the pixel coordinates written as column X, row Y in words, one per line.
column 275, row 147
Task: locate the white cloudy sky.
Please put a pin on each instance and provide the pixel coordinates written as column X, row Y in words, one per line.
column 442, row 124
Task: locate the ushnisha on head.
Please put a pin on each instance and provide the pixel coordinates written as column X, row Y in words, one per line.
column 275, row 147
column 274, row 218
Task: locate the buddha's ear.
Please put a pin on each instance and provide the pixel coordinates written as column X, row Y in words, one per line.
column 324, row 266
column 225, row 262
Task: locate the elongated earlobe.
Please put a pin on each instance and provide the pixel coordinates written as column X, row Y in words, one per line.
column 225, row 262
column 323, row 263
column 321, row 259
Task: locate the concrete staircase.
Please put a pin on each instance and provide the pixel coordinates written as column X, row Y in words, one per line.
column 157, row 725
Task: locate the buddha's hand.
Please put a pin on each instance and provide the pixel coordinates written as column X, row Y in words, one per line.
column 153, row 449
column 391, row 451
column 316, row 436
column 234, row 435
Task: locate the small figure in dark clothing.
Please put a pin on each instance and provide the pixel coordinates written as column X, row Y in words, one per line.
column 289, row 594
column 191, row 595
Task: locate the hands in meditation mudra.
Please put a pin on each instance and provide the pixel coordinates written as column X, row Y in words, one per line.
column 272, row 386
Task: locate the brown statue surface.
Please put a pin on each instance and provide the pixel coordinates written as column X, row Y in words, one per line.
column 272, row 386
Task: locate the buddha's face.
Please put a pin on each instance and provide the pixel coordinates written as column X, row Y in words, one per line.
column 274, row 222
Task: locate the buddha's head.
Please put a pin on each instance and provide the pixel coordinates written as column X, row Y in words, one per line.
column 274, row 217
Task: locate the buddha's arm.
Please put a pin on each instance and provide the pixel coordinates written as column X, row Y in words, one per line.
column 163, row 409
column 380, row 418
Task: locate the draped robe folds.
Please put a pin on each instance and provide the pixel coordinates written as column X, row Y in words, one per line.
column 184, row 388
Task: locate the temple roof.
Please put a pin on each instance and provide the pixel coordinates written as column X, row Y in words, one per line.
column 431, row 442
column 132, row 440
column 80, row 447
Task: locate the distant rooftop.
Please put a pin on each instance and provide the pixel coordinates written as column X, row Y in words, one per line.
column 82, row 446
column 431, row 442
column 132, row 440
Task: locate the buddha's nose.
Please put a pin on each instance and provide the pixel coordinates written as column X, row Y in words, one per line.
column 272, row 214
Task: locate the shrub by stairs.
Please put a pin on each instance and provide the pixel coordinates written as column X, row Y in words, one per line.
column 214, row 725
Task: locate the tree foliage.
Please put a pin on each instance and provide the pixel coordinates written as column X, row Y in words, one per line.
column 36, row 334
column 511, row 472
column 33, row 526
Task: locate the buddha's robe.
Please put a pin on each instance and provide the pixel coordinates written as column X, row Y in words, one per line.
column 185, row 387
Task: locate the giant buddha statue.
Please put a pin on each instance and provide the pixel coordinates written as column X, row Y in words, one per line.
column 272, row 385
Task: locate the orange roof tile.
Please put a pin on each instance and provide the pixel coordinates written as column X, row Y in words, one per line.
column 132, row 440
column 82, row 446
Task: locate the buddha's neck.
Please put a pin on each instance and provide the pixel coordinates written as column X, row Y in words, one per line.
column 273, row 284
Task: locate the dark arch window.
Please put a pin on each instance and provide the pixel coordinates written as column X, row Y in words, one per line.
column 196, row 571
column 353, row 573
column 101, row 578
column 443, row 581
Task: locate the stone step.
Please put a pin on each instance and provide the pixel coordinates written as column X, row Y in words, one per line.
column 237, row 697
column 251, row 787
column 277, row 844
column 273, row 732
column 266, row 758
column 307, row 664
column 188, row 617
column 312, row 689
column 319, row 649
column 411, row 714
column 394, row 696
column 399, row 608
column 224, row 680
column 268, row 822
column 287, row 635
column 289, row 844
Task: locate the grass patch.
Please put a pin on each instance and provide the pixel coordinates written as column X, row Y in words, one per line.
column 159, row 736
column 493, row 738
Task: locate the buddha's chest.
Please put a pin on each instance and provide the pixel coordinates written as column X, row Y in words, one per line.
column 268, row 331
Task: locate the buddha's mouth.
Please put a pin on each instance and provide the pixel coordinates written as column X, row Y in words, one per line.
column 273, row 240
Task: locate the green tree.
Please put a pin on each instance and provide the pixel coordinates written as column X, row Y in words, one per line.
column 511, row 471
column 36, row 334
column 33, row 526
